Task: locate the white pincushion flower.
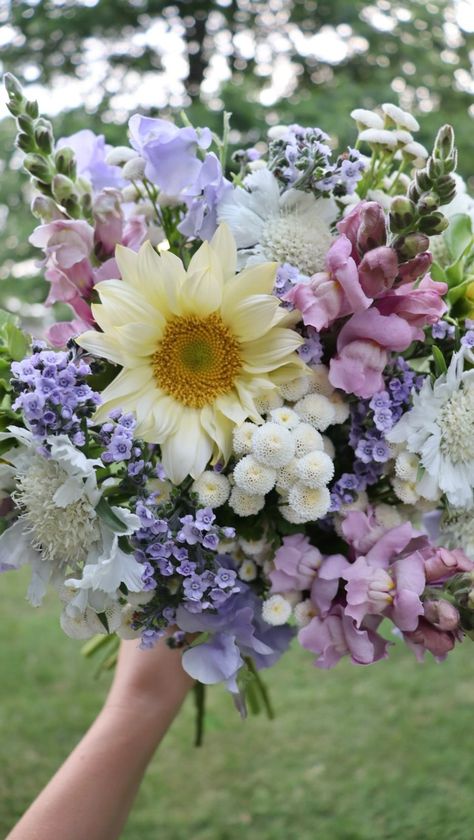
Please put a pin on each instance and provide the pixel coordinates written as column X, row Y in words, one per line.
column 306, row 439
column 276, row 610
column 293, row 227
column 309, row 503
column 366, row 119
column 248, row 571
column 287, row 476
column 297, row 388
column 242, row 437
column 317, row 410
column 399, row 117
column 378, row 137
column 341, row 408
column 245, row 504
column 320, row 383
column 315, row 469
column 286, row 417
column 406, row 466
column 212, row 489
column 304, row 612
column 273, row 445
column 253, row 477
column 440, row 430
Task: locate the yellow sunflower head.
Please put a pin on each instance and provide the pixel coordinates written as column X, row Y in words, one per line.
column 197, row 348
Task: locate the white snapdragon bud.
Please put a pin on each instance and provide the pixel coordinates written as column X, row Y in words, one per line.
column 366, row 119
column 273, row 445
column 285, row 416
column 242, row 438
column 317, row 410
column 297, row 388
column 276, row 610
column 306, row 439
column 406, row 466
column 120, row 155
column 378, row 137
column 212, row 489
column 401, row 118
column 315, row 469
column 245, row 504
column 308, row 502
column 134, row 169
column 268, row 401
column 320, row 383
column 247, row 571
column 254, row 477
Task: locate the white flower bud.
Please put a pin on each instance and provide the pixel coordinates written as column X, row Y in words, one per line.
column 297, row 388
column 212, row 489
column 254, row 477
column 268, row 401
column 317, row 410
column 285, row 416
column 399, row 117
column 315, row 469
column 304, row 612
column 378, row 137
column 320, row 383
column 247, row 571
column 134, row 169
column 406, row 466
column 120, row 155
column 306, row 439
column 276, row 610
column 309, row 503
column 273, row 445
column 245, row 504
column 242, row 438
column 366, row 119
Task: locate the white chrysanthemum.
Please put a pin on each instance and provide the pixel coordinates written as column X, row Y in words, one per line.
column 403, row 137
column 329, row 447
column 297, row 388
column 457, row 529
column 245, row 504
column 291, row 515
column 378, row 137
column 270, row 400
column 304, row 612
column 308, row 502
column 273, row 445
column 306, row 439
column 399, row 117
column 287, row 476
column 317, row 410
column 320, row 383
column 248, row 571
column 293, row 227
column 406, row 491
column 341, row 408
column 125, row 630
column 255, row 548
column 388, row 515
column 440, row 429
column 315, row 469
column 242, row 437
column 254, row 477
column 212, row 489
column 276, row 610
column 366, row 119
column 406, row 466
column 286, row 417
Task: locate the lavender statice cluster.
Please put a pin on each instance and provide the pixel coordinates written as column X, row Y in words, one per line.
column 182, row 564
column 300, row 158
column 52, row 393
column 370, row 420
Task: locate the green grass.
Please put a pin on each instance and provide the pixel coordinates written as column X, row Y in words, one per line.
column 354, row 754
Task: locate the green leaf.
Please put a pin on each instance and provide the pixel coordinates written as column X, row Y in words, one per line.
column 438, row 273
column 439, row 360
column 110, row 518
column 420, row 365
column 458, row 235
column 17, row 342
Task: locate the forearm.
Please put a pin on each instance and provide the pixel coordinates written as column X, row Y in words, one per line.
column 92, row 793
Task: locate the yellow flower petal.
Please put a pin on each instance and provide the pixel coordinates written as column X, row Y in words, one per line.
column 255, row 315
column 258, row 280
column 223, row 244
column 270, row 351
column 202, row 291
column 188, row 451
column 101, row 344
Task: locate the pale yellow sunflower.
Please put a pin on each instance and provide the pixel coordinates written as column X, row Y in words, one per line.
column 197, row 348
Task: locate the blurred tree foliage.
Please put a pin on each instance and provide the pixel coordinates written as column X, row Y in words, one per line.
column 307, row 61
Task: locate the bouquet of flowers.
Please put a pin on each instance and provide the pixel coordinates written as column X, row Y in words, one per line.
column 259, row 421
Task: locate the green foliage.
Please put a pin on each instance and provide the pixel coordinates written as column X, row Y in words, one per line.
column 13, row 347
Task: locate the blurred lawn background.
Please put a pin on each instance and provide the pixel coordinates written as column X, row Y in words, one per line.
column 354, row 754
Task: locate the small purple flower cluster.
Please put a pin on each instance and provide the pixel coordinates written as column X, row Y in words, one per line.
column 312, row 350
column 287, row 276
column 117, row 435
column 301, row 158
column 53, row 395
column 181, row 560
column 468, row 339
column 442, row 330
column 370, row 420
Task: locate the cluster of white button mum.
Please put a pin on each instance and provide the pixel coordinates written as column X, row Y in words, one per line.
column 390, row 131
column 289, row 452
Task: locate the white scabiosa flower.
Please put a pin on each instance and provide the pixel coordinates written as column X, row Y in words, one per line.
column 245, row 504
column 306, row 439
column 273, row 445
column 366, row 119
column 285, row 416
column 304, row 612
column 401, row 118
column 315, row 469
column 254, row 477
column 276, row 610
column 317, row 410
column 248, row 571
column 297, row 388
column 212, row 489
column 308, row 502
column 440, row 429
column 292, row 227
column 242, row 438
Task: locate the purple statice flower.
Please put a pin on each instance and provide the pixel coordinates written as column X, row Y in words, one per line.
column 186, row 568
column 190, row 533
column 194, row 587
column 211, row 541
column 225, row 578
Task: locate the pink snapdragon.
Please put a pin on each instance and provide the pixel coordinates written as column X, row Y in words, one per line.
column 365, row 227
column 296, row 564
column 441, row 563
column 336, row 636
column 362, row 351
column 418, row 304
column 428, row 637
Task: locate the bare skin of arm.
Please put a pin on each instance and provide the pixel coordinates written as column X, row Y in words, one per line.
column 92, row 793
